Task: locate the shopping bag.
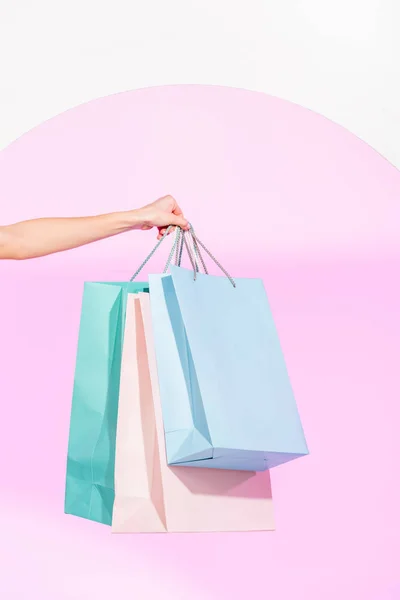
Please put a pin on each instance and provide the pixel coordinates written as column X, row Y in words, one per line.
column 89, row 491
column 226, row 396
column 150, row 496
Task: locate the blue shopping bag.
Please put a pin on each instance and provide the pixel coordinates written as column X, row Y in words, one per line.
column 226, row 396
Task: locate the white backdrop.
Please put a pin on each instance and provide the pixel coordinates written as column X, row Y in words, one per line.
column 339, row 58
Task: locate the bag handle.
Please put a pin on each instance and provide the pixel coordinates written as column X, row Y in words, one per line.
column 177, row 249
column 181, row 243
column 197, row 243
column 160, row 241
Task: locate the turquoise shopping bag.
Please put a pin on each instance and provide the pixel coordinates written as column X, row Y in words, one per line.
column 226, row 395
column 89, row 491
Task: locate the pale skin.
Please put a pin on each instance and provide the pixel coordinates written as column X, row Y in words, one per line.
column 41, row 237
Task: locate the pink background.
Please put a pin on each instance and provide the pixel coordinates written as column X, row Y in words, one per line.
column 276, row 191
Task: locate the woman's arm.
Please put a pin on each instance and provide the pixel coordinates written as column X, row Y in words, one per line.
column 40, row 237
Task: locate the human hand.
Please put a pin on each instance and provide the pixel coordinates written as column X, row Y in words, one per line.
column 40, row 237
column 161, row 214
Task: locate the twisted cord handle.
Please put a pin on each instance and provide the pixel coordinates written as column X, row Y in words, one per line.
column 197, row 251
column 146, row 260
column 177, row 249
column 198, row 243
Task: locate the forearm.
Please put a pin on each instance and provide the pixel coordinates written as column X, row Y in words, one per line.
column 40, row 237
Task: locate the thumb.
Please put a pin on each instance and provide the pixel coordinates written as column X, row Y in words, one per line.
column 178, row 220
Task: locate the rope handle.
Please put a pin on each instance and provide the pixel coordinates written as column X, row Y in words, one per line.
column 195, row 256
column 181, row 243
column 198, row 243
column 160, row 241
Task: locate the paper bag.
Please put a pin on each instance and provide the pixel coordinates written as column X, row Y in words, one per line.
column 89, row 490
column 150, row 496
column 226, row 396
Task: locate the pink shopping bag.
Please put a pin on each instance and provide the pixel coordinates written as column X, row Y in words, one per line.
column 151, row 496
